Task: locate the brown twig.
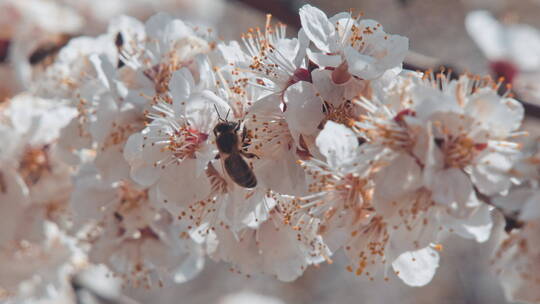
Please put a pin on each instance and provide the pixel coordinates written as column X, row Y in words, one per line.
column 281, row 9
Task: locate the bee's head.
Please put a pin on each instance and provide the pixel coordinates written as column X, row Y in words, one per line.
column 225, row 127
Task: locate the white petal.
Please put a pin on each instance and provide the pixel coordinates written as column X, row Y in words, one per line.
column 41, row 118
column 451, row 186
column 142, row 171
column 255, row 210
column 231, row 52
column 282, row 175
column 207, row 78
column 166, row 30
column 13, row 201
column 531, row 209
column 359, row 63
column 417, row 268
column 178, row 184
column 337, row 143
column 398, row 47
column 499, row 116
column 90, row 195
column 323, row 60
column 181, row 87
column 303, row 44
column 112, row 164
column 514, row 200
column 317, row 27
column 402, row 176
column 289, row 48
column 476, row 226
column 189, row 269
column 106, row 112
column 383, row 52
column 286, row 260
column 490, row 175
column 304, row 108
column 329, row 91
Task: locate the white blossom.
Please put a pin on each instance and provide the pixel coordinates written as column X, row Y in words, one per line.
column 350, row 45
column 117, row 156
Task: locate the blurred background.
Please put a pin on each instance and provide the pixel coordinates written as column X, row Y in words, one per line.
column 437, row 33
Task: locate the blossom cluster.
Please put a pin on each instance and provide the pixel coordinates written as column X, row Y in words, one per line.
column 156, row 145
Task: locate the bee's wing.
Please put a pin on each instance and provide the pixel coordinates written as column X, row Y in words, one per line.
column 239, row 171
column 222, row 171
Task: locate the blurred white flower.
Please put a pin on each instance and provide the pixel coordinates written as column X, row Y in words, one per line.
column 516, row 261
column 128, row 234
column 518, row 44
column 38, row 179
column 39, row 270
column 512, row 50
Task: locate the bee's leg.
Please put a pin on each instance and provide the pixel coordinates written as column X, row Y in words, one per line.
column 250, row 155
column 244, row 134
column 218, row 156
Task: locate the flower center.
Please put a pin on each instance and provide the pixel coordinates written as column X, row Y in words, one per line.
column 460, row 151
column 120, row 133
column 131, row 197
column 342, row 114
column 160, row 75
column 334, row 196
column 184, row 142
column 34, row 164
column 353, row 191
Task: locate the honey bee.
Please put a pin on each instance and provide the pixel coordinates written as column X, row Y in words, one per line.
column 232, row 153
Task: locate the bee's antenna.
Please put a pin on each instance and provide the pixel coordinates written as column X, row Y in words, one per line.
column 217, row 112
column 227, row 116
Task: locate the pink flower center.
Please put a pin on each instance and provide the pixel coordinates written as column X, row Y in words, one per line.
column 299, row 75
column 400, row 116
column 506, row 69
column 185, row 142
